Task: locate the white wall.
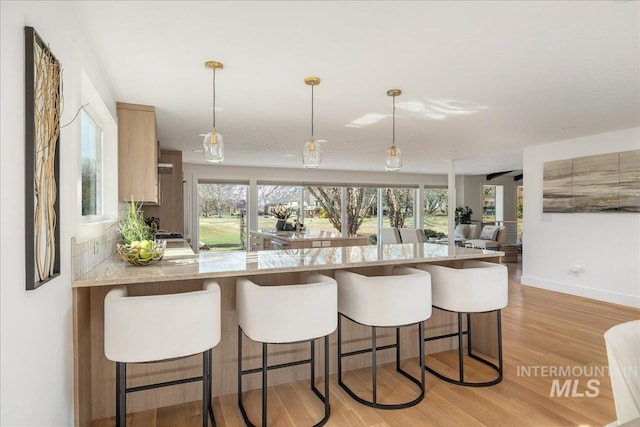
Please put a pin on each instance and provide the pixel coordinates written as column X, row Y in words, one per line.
column 605, row 247
column 36, row 326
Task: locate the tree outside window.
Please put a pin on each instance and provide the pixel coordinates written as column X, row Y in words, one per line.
column 398, row 207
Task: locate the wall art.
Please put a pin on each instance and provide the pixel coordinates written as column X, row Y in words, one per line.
column 43, row 107
column 601, row 183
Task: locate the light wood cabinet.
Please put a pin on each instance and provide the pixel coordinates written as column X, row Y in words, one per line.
column 170, row 209
column 137, row 153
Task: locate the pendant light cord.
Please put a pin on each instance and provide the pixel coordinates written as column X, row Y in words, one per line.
column 312, row 111
column 393, row 132
column 214, row 98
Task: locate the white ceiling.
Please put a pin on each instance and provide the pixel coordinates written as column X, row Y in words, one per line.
column 480, row 80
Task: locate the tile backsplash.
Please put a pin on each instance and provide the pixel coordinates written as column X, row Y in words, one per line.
column 86, row 255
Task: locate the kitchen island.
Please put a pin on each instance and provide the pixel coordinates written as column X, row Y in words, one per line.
column 95, row 375
column 271, row 239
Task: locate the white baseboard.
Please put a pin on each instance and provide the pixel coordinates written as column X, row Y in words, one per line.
column 581, row 291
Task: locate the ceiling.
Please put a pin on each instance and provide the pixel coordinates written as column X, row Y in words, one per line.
column 480, row 80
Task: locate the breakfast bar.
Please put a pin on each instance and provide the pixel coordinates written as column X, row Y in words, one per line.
column 180, row 272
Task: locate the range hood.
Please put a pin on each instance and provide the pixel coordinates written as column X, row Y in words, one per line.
column 165, row 167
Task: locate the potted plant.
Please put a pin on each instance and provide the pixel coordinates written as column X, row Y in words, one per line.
column 463, row 215
column 138, row 246
column 282, row 212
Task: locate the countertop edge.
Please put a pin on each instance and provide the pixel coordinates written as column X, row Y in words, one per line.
column 155, row 273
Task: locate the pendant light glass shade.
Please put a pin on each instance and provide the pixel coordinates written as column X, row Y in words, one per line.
column 311, row 154
column 213, row 145
column 393, row 159
column 312, row 151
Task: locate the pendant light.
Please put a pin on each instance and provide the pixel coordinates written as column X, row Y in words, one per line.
column 393, row 159
column 213, row 144
column 312, row 152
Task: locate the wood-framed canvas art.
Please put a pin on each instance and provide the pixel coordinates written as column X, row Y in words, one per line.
column 43, row 106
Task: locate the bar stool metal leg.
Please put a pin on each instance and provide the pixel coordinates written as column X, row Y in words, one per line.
column 264, row 384
column 121, row 394
column 460, row 334
column 373, row 350
column 207, row 390
column 264, row 369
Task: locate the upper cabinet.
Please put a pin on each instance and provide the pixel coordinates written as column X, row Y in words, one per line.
column 137, row 153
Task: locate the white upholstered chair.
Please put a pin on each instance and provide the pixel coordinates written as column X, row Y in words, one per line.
column 400, row 299
column 477, row 287
column 389, row 235
column 157, row 328
column 411, row 235
column 286, row 314
column 623, row 342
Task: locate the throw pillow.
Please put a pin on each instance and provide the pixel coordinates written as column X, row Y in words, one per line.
column 489, row 232
column 461, row 231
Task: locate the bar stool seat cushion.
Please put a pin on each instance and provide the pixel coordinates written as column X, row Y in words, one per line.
column 402, row 298
column 477, row 287
column 287, row 313
column 158, row 327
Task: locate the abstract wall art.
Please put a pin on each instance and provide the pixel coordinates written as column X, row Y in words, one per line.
column 601, row 183
column 43, row 106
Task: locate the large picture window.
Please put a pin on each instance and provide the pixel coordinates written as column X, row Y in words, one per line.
column 325, row 213
column 273, row 196
column 222, row 216
column 398, row 205
column 436, row 211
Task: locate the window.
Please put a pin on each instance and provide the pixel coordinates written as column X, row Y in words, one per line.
column 436, row 211
column 362, row 211
column 270, row 196
column 492, row 203
column 222, row 212
column 91, row 164
column 397, row 204
column 519, row 208
column 488, row 203
column 325, row 213
column 96, row 164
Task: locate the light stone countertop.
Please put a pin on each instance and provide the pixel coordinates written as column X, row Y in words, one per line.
column 115, row 271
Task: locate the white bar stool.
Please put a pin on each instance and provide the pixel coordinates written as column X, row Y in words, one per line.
column 286, row 314
column 400, row 299
column 159, row 328
column 477, row 287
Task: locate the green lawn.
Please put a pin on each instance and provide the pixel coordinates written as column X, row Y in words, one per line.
column 224, row 233
column 221, row 233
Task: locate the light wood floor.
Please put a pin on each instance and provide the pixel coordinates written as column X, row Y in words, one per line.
column 540, row 329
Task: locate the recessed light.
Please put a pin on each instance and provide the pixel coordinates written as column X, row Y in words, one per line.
column 197, row 150
column 289, row 155
column 322, row 140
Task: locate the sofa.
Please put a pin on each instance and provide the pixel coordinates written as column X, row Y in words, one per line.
column 491, row 236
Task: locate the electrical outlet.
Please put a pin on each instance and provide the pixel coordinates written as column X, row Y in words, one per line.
column 576, row 270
